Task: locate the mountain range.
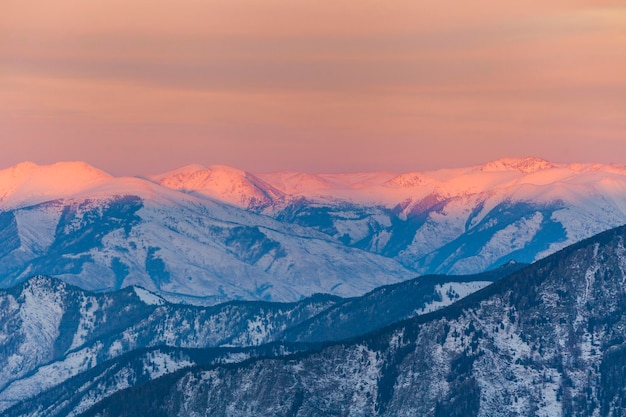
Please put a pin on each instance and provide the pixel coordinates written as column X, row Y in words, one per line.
column 52, row 331
column 545, row 339
column 209, row 235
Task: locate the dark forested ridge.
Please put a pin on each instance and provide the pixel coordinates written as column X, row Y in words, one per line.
column 390, row 304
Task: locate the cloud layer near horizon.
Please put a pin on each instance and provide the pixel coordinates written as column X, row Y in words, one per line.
column 146, row 86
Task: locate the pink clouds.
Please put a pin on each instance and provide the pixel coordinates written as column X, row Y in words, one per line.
column 311, row 85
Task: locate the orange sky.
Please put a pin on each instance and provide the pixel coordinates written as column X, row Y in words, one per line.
column 141, row 86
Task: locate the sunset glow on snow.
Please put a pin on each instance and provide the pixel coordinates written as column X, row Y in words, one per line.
column 149, row 86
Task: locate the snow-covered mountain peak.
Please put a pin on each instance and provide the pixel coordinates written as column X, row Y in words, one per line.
column 59, row 170
column 612, row 168
column 227, row 170
column 409, row 180
column 302, row 183
column 28, row 183
column 194, row 175
column 22, row 168
column 221, row 182
column 524, row 165
column 179, row 172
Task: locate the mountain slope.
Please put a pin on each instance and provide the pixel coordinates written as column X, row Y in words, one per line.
column 547, row 340
column 390, row 304
column 51, row 331
column 222, row 183
column 208, row 235
column 134, row 368
column 86, row 331
column 463, row 220
column 455, row 221
column 129, row 231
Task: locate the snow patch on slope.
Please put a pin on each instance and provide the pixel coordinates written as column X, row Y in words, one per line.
column 158, row 364
column 147, row 297
column 47, row 376
column 37, row 227
column 88, row 309
column 451, row 292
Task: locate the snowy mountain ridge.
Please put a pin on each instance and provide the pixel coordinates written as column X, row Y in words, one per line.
column 239, row 187
column 212, row 234
column 546, row 340
column 222, row 183
column 28, row 183
column 51, row 331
